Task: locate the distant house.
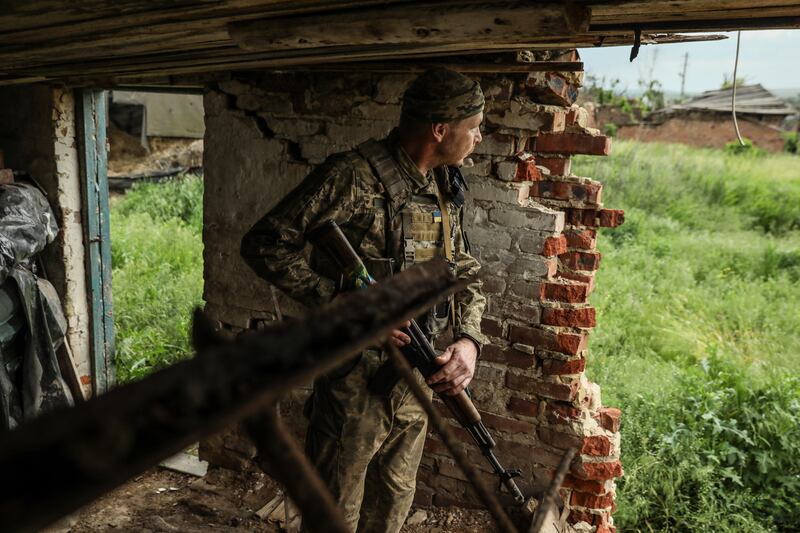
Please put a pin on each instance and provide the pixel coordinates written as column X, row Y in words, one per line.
column 706, row 120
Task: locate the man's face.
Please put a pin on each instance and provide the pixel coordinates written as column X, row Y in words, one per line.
column 460, row 139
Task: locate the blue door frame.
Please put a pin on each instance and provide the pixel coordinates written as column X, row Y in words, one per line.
column 94, row 179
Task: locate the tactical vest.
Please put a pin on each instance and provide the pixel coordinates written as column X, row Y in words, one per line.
column 415, row 226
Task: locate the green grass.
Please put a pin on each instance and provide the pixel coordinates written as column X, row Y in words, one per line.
column 157, row 259
column 698, row 336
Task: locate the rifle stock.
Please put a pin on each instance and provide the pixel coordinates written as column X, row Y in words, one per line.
column 420, row 353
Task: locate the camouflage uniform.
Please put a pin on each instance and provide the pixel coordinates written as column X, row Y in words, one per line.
column 367, row 447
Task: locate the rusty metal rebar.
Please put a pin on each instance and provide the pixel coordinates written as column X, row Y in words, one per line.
column 437, row 421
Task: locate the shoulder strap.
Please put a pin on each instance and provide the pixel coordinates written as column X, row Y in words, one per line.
column 385, row 168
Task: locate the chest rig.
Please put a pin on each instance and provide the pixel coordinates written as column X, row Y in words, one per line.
column 418, row 225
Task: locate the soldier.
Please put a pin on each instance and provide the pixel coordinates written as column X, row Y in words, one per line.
column 399, row 202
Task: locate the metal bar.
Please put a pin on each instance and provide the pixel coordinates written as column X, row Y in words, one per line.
column 549, row 497
column 437, row 421
column 96, row 223
column 280, row 457
column 64, row 459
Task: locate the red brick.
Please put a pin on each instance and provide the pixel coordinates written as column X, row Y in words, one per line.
column 524, row 289
column 523, row 407
column 564, row 292
column 589, row 193
column 583, row 317
column 556, row 391
column 507, row 425
column 584, row 485
column 524, row 454
column 609, row 418
column 597, row 445
column 560, row 413
column 553, row 89
column 581, row 260
column 600, row 471
column 493, row 285
column 492, row 326
column 591, row 501
column 554, row 246
column 611, row 218
column 587, row 278
column 558, row 166
column 527, row 171
column 557, row 367
column 559, row 439
column 569, row 343
column 593, row 519
column 509, row 356
column 572, row 143
column 568, row 191
column 583, row 239
column 572, row 115
column 492, row 353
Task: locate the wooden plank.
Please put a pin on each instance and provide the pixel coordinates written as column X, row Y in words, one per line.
column 727, row 24
column 98, row 249
column 420, row 25
column 137, row 45
column 61, row 18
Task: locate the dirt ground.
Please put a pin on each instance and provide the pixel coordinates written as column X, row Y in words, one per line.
column 164, row 501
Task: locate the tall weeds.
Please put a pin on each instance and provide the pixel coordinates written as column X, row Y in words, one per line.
column 698, row 336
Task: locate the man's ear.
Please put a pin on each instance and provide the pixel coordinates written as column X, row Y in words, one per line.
column 439, row 130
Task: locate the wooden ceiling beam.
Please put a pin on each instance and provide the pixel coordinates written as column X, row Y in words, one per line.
column 27, row 22
column 168, row 66
column 607, row 12
column 432, row 24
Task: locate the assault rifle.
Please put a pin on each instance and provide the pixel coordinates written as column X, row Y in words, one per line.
column 419, row 353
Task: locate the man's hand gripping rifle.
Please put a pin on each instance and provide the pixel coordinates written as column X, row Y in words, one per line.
column 419, row 353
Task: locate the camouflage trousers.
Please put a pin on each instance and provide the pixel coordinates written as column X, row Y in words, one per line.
column 367, row 447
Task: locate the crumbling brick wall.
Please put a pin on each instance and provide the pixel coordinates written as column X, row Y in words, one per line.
column 531, row 223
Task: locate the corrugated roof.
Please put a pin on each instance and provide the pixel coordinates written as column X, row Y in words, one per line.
column 750, row 99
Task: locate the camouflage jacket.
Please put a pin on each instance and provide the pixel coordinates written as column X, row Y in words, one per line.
column 345, row 189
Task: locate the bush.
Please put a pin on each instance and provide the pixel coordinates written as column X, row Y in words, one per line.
column 715, row 455
column 748, row 148
column 610, row 129
column 790, row 142
column 178, row 198
column 156, row 254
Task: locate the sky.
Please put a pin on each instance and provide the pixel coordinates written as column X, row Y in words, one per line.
column 768, row 57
